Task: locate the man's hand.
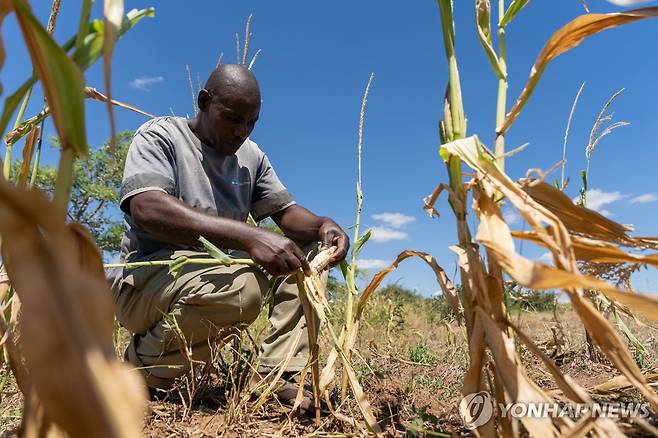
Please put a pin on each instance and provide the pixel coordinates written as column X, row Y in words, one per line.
column 276, row 253
column 173, row 221
column 331, row 234
column 300, row 224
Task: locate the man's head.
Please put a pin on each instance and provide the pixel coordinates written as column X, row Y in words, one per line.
column 229, row 107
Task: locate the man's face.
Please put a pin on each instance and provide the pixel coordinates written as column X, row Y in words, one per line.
column 230, row 121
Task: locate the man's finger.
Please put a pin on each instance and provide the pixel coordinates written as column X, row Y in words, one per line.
column 271, row 269
column 329, row 238
column 293, row 263
column 303, row 263
column 281, row 267
column 342, row 245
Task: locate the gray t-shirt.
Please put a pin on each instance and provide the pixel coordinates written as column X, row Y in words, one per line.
column 165, row 155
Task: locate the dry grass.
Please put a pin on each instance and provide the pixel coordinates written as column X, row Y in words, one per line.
column 413, row 380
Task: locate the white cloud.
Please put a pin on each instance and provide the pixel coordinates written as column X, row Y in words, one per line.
column 395, row 220
column 546, row 258
column 627, row 2
column 606, row 213
column 372, row 263
column 644, row 199
column 383, row 234
column 597, row 199
column 511, row 216
column 143, row 83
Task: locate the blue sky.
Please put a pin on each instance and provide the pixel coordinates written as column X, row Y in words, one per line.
column 315, row 62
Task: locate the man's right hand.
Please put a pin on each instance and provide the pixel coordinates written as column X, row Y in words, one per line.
column 276, row 253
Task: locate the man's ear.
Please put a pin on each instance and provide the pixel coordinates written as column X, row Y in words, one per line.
column 204, row 99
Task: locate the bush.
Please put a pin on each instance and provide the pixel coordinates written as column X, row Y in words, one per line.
column 419, row 353
column 530, row 300
column 439, row 310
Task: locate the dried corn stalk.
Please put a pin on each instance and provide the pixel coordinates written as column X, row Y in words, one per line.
column 60, row 340
column 92, row 93
column 565, row 39
column 66, row 321
column 496, row 237
column 346, row 341
column 315, row 304
column 554, row 224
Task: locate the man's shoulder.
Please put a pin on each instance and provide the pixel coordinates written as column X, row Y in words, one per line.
column 168, row 132
column 251, row 149
column 161, row 124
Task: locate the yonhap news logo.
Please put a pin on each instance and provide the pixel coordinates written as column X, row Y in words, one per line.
column 476, row 410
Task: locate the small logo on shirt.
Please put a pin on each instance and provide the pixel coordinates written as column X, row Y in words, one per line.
column 235, row 182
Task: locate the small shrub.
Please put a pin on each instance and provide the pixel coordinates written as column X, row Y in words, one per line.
column 422, row 423
column 419, row 353
column 530, row 300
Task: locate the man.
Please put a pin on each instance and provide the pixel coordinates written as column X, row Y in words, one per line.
column 203, row 177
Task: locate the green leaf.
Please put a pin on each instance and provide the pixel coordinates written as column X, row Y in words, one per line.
column 358, row 245
column 348, row 275
column 215, row 252
column 93, row 45
column 582, row 201
column 11, row 102
column 583, row 175
column 84, row 55
column 83, row 25
column 133, row 17
column 177, row 265
column 447, row 25
column 62, row 80
column 444, row 154
column 344, row 268
column 483, row 19
column 514, row 8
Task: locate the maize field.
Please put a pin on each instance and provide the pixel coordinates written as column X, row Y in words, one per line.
column 385, row 361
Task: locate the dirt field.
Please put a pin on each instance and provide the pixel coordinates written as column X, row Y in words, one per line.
column 411, row 364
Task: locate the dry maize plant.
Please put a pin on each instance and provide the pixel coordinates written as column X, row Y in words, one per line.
column 571, row 233
column 56, row 314
column 343, row 342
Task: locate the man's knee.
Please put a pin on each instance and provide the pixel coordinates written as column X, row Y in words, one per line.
column 250, row 287
column 230, row 303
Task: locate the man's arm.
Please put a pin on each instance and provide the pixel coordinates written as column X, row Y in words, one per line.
column 300, row 224
column 171, row 220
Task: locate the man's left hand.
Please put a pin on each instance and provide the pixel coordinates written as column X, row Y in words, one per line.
column 330, row 234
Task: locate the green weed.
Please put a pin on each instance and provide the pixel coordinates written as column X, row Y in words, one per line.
column 419, row 353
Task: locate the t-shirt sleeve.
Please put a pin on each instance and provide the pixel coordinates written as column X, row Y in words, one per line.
column 149, row 165
column 270, row 195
